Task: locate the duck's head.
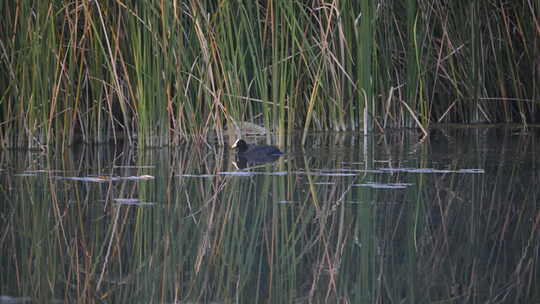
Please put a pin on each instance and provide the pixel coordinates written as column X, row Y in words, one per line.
column 240, row 145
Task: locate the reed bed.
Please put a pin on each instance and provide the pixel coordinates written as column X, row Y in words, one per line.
column 160, row 72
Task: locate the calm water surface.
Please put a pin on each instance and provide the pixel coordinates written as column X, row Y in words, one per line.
column 388, row 218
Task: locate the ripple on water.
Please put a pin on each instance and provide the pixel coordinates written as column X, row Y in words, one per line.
column 431, row 170
column 384, row 186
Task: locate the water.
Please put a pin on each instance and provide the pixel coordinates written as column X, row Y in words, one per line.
column 390, row 218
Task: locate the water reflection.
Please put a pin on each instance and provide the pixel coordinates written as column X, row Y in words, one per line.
column 387, row 218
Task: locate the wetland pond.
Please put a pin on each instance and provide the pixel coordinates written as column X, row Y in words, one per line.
column 383, row 218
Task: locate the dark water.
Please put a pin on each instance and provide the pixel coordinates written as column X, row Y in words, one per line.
column 389, row 218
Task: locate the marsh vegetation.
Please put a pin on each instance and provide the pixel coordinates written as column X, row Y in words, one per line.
column 160, row 72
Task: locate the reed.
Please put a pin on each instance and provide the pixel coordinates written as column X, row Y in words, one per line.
column 157, row 73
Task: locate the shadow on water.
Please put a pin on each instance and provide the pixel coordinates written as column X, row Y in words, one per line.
column 382, row 219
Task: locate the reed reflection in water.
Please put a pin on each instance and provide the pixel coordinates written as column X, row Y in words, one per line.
column 383, row 219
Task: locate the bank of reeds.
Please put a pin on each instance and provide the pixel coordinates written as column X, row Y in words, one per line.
column 158, row 72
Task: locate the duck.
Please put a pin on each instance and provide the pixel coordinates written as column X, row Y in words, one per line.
column 256, row 153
